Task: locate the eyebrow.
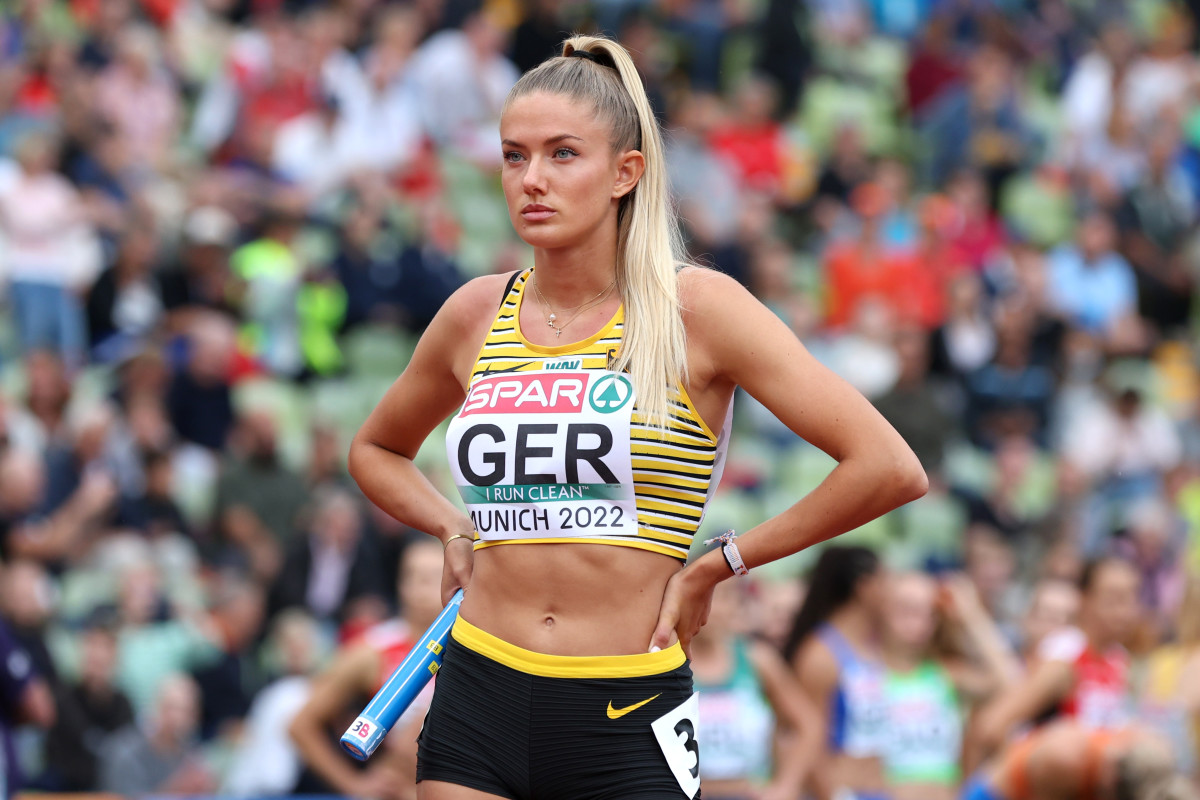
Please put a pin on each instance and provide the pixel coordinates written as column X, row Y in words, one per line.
column 552, row 140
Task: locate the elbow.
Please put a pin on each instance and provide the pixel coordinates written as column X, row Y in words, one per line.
column 906, row 479
column 357, row 457
column 353, row 457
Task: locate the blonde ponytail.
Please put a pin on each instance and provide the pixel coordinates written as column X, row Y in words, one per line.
column 649, row 247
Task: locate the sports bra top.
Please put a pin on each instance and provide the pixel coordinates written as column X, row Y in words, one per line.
column 1100, row 695
column 549, row 446
column 924, row 732
column 858, row 713
column 736, row 723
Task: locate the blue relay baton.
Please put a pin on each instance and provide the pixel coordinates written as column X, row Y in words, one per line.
column 402, row 686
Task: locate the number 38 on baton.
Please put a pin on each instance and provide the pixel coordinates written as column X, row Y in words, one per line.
column 402, row 686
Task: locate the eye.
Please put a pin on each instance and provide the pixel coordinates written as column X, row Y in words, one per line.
column 513, row 157
column 564, row 152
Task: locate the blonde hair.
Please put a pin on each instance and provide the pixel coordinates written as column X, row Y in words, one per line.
column 1146, row 771
column 649, row 247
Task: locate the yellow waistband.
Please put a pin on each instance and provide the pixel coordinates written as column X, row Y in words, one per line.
column 548, row 666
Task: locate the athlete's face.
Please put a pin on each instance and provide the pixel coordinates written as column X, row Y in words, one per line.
column 1055, row 604
column 420, row 581
column 1111, row 603
column 910, row 615
column 562, row 179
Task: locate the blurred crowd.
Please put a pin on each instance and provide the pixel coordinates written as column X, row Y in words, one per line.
column 224, row 223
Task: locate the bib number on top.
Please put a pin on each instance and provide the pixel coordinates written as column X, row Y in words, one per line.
column 545, row 454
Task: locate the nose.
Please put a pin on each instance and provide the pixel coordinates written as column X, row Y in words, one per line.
column 534, row 179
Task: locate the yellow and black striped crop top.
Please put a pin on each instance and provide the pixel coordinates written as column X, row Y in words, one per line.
column 549, row 446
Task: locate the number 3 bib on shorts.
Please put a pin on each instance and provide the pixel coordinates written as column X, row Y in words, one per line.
column 545, row 455
column 676, row 734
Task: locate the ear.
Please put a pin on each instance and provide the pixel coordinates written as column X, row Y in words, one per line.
column 630, row 166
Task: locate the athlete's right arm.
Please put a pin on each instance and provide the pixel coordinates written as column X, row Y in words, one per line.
column 795, row 709
column 349, row 677
column 429, row 390
column 1043, row 688
column 817, row 672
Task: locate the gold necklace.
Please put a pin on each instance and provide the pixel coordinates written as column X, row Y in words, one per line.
column 551, row 317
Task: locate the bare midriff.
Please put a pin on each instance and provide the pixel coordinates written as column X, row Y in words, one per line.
column 568, row 599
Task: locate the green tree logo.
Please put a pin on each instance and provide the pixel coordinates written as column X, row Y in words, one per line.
column 610, row 393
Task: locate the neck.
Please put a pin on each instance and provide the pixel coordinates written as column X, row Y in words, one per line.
column 1095, row 637
column 901, row 658
column 569, row 277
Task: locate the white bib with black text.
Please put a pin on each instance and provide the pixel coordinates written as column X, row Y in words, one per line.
column 545, row 454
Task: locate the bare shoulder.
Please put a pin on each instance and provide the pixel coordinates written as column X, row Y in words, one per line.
column 717, row 311
column 705, row 294
column 816, row 666
column 473, row 297
column 457, row 332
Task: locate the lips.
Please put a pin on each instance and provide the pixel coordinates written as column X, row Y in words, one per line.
column 535, row 212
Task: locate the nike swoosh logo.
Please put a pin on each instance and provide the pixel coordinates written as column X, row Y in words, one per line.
column 489, row 371
column 617, row 713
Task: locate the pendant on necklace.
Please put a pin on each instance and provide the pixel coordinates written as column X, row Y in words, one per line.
column 557, row 332
column 553, row 317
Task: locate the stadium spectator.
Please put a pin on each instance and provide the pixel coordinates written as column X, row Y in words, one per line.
column 161, row 756
column 135, row 94
column 27, row 605
column 126, row 303
column 88, row 710
column 272, row 766
column 155, row 640
column 912, row 405
column 201, row 277
column 227, row 682
column 26, row 531
column 24, row 698
column 334, row 566
column 1089, row 282
column 199, row 400
column 45, row 230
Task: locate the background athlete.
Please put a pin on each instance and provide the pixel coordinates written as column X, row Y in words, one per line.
column 356, row 674
column 1070, row 761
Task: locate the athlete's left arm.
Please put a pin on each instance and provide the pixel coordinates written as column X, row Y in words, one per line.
column 736, row 340
column 797, row 713
column 993, row 666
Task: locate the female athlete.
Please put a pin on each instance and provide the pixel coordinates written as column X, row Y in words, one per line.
column 590, row 398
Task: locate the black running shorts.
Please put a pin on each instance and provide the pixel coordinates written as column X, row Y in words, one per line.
column 528, row 726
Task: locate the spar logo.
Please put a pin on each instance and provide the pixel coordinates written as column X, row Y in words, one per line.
column 533, row 393
column 610, row 393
